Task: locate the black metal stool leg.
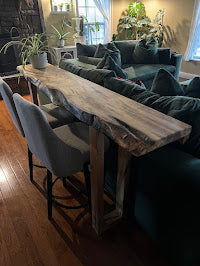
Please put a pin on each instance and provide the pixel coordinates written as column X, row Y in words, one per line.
column 30, row 162
column 49, row 194
column 88, row 184
column 64, row 181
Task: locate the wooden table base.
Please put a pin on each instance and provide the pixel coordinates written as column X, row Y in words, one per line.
column 101, row 222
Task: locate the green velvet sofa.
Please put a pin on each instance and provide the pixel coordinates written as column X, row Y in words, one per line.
column 165, row 195
column 144, row 72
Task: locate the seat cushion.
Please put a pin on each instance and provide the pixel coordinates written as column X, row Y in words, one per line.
column 145, row 72
column 76, row 135
column 57, row 116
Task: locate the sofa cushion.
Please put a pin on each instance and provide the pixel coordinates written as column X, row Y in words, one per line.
column 110, row 64
column 145, row 72
column 97, row 75
column 166, row 85
column 126, row 49
column 69, row 66
column 85, row 50
column 182, row 108
column 146, row 52
column 115, row 56
column 193, row 88
column 101, row 50
column 164, row 55
column 104, row 48
column 89, row 60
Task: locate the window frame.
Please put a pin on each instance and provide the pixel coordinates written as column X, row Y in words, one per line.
column 91, row 23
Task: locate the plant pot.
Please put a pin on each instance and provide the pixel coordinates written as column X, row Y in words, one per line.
column 61, row 43
column 67, row 7
column 55, row 8
column 39, row 61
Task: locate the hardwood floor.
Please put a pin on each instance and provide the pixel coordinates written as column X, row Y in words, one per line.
column 28, row 238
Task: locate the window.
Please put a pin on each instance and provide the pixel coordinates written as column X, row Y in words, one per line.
column 61, row 6
column 193, row 47
column 88, row 9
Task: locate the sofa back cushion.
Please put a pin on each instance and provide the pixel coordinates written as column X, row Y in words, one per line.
column 85, row 50
column 126, row 49
column 164, row 55
column 96, row 75
column 146, row 52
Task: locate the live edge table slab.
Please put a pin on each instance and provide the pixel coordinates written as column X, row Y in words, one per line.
column 137, row 129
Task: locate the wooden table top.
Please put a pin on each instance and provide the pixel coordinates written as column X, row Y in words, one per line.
column 135, row 127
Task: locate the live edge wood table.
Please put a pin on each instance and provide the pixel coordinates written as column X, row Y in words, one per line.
column 137, row 129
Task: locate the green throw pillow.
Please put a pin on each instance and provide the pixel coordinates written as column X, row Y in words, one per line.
column 85, row 50
column 104, row 48
column 193, row 88
column 111, row 65
column 146, row 52
column 115, row 56
column 166, row 85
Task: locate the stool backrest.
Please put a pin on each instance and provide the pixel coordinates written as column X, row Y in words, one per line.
column 43, row 142
column 7, row 96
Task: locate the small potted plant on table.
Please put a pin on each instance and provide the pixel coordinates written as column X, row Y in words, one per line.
column 33, row 49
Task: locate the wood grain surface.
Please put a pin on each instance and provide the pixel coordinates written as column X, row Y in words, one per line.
column 135, row 127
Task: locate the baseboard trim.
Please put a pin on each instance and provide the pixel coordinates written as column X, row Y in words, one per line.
column 187, row 75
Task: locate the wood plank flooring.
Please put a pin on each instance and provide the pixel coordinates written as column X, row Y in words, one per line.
column 28, row 238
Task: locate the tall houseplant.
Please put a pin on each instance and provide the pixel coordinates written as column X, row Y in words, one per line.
column 135, row 24
column 33, row 49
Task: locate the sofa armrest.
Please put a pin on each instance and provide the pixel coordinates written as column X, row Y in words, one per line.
column 176, row 60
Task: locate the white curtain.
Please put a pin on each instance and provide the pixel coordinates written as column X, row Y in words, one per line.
column 105, row 7
column 194, row 38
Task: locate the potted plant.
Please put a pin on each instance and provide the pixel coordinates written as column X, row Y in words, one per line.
column 33, row 49
column 68, row 5
column 61, row 6
column 61, row 34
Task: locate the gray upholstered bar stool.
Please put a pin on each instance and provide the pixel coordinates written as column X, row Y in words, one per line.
column 63, row 151
column 56, row 116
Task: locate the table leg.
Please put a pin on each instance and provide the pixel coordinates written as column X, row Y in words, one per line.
column 97, row 178
column 100, row 222
column 33, row 93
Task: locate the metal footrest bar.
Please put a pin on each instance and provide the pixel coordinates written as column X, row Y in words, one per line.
column 64, row 205
column 39, row 166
